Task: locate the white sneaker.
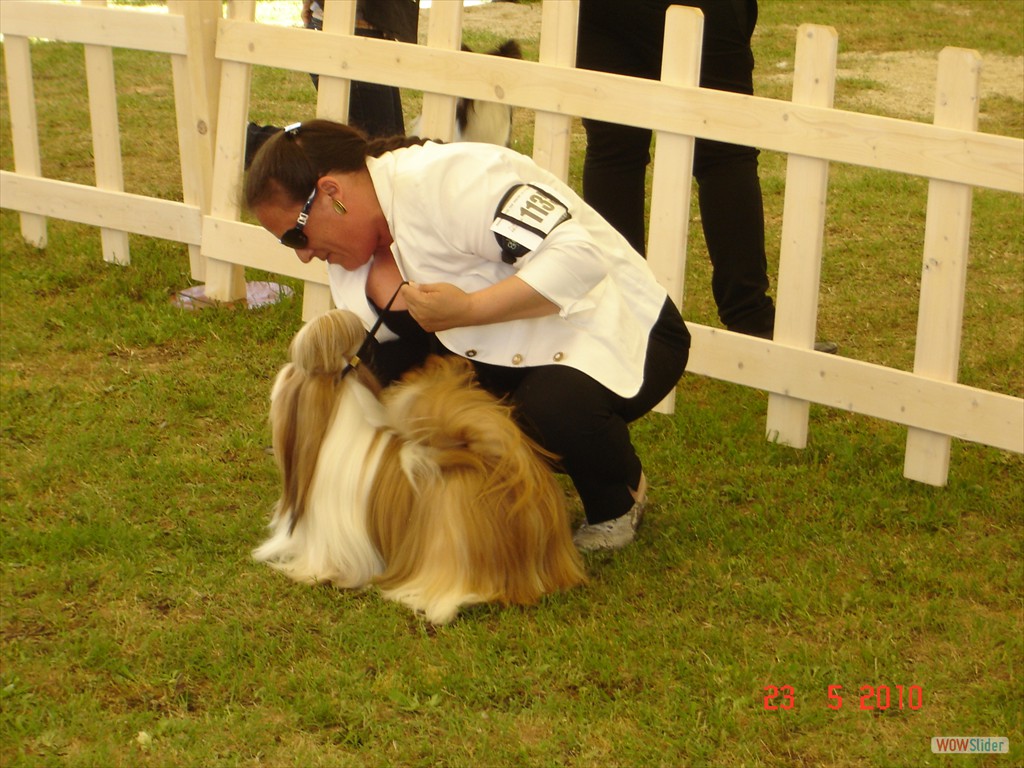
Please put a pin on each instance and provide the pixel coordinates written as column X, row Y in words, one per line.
column 611, row 534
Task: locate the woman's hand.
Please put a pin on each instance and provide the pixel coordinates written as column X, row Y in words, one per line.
column 437, row 306
column 440, row 306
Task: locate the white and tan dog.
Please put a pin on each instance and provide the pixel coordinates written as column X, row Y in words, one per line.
column 429, row 490
column 488, row 122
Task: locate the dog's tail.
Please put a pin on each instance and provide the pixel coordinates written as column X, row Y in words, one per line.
column 509, row 49
column 440, row 406
column 488, row 516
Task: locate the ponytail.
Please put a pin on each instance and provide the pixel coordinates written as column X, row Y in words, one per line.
column 383, row 144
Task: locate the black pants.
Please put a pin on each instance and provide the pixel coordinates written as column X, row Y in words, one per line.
column 627, row 38
column 373, row 108
column 585, row 423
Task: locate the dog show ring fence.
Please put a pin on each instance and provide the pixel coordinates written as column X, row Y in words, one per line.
column 212, row 59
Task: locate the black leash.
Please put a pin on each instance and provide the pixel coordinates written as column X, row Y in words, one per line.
column 355, row 360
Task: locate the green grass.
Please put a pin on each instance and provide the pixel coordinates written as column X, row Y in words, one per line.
column 136, row 631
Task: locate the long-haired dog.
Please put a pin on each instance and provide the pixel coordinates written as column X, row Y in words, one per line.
column 428, row 490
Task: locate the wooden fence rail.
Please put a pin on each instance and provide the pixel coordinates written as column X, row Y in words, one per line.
column 213, row 58
column 186, row 34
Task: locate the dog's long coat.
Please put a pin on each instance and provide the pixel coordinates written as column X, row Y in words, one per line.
column 430, row 491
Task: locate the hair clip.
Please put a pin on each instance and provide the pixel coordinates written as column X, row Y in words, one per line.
column 293, row 129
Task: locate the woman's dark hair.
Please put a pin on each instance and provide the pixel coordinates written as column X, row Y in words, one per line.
column 291, row 161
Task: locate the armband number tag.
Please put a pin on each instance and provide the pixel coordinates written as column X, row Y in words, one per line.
column 528, row 214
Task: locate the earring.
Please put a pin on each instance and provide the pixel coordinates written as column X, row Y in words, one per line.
column 339, row 207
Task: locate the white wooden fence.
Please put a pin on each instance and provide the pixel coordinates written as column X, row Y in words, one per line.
column 212, row 60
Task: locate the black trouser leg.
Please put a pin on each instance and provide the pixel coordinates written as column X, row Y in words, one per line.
column 614, row 177
column 732, row 216
column 587, row 425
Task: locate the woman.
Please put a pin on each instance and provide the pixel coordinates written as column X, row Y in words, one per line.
column 474, row 250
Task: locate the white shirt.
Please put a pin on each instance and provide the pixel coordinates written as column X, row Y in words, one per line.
column 440, row 201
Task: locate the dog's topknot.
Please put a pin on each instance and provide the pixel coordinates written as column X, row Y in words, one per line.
column 326, row 343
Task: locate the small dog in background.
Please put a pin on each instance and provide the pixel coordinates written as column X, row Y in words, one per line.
column 483, row 121
column 428, row 490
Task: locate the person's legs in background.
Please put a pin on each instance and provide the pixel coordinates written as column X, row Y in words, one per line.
column 614, row 177
column 373, row 108
column 628, row 38
column 376, row 109
column 728, row 185
column 615, row 37
column 732, row 218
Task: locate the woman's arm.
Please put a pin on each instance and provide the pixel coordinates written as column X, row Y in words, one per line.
column 440, row 306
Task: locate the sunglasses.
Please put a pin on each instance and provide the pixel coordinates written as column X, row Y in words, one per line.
column 295, row 237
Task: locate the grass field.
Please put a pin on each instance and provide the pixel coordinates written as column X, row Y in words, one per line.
column 134, row 481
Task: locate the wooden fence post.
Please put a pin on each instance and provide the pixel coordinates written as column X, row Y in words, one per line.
column 225, row 281
column 552, row 132
column 672, row 180
column 106, row 136
column 24, row 127
column 803, row 226
column 944, row 274
column 332, row 97
column 444, row 30
column 196, row 78
column 332, row 103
